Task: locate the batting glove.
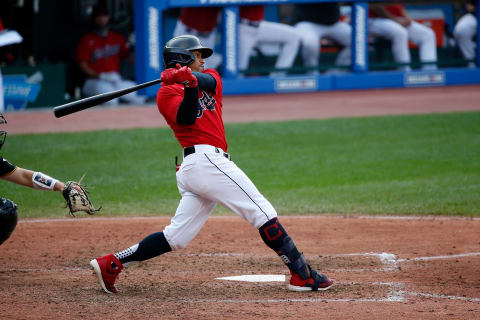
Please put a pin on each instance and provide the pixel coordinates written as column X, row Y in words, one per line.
column 179, row 74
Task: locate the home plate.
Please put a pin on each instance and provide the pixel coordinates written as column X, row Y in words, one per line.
column 256, row 278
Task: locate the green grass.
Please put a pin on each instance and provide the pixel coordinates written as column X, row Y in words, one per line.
column 420, row 164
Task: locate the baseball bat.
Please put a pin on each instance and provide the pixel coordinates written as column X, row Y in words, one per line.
column 82, row 104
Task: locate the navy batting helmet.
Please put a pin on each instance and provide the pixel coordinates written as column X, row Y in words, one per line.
column 179, row 50
column 8, row 218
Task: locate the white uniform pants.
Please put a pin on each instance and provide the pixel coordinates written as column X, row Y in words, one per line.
column 422, row 36
column 108, row 82
column 206, row 38
column 465, row 30
column 268, row 33
column 206, row 178
column 311, row 34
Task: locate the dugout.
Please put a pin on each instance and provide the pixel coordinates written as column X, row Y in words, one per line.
column 52, row 28
column 152, row 28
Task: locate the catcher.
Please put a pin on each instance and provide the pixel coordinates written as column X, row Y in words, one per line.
column 75, row 195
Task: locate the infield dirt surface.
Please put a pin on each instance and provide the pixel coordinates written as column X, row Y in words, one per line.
column 384, row 267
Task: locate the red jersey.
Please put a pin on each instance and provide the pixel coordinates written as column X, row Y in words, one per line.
column 102, row 54
column 203, row 19
column 252, row 13
column 208, row 127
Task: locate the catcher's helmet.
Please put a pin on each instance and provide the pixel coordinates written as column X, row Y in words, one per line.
column 8, row 218
column 179, row 50
column 3, row 133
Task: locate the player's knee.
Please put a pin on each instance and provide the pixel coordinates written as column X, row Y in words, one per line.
column 400, row 35
column 176, row 243
column 428, row 36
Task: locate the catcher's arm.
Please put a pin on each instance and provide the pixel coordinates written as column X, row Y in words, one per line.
column 73, row 192
column 36, row 180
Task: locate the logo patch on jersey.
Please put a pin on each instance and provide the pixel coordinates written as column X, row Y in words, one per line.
column 207, row 102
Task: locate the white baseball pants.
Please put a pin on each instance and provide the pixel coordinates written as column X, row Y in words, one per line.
column 268, row 33
column 465, row 30
column 419, row 34
column 311, row 33
column 204, row 179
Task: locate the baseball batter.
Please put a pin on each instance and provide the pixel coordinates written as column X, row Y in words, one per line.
column 190, row 100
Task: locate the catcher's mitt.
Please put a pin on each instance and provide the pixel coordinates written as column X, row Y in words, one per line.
column 77, row 198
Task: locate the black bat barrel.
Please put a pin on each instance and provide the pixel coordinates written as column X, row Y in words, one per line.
column 89, row 102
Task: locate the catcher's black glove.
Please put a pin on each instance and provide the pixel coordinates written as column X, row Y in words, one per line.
column 77, row 198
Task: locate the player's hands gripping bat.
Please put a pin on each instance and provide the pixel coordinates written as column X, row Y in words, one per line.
column 179, row 74
column 77, row 198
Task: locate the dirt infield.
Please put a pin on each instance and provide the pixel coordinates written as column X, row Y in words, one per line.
column 384, row 267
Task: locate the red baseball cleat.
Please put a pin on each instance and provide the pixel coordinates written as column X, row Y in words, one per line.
column 107, row 272
column 317, row 281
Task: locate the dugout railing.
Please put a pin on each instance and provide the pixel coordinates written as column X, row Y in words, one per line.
column 151, row 35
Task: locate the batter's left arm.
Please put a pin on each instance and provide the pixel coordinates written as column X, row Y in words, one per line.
column 206, row 81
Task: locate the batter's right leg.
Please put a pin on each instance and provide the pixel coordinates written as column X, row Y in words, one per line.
column 191, row 215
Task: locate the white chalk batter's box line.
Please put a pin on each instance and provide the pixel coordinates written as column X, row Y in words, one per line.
column 395, row 294
column 389, row 260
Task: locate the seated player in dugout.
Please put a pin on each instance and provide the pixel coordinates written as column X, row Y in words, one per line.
column 392, row 22
column 190, row 99
column 98, row 55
